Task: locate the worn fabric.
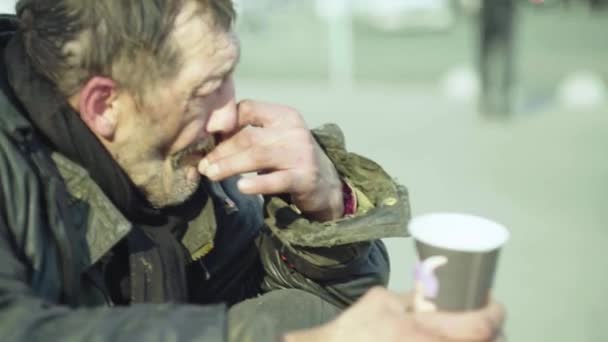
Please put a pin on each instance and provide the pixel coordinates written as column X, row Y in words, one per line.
column 267, row 317
column 59, row 230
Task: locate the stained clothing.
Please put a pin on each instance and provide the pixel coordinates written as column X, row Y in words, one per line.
column 79, row 260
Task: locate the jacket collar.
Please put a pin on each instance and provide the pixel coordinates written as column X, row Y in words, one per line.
column 105, row 225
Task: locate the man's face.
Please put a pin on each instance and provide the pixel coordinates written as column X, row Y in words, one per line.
column 177, row 116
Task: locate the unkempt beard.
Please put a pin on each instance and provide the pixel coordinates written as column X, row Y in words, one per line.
column 162, row 185
column 164, row 182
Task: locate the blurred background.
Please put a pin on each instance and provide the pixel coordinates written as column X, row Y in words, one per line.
column 497, row 108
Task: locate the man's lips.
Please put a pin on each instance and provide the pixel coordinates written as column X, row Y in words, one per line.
column 193, row 153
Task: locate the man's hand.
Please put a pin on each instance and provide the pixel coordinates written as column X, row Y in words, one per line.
column 274, row 142
column 382, row 316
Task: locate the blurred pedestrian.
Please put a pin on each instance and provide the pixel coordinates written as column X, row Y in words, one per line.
column 497, row 56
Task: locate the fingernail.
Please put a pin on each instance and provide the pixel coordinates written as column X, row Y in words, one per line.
column 212, row 171
column 203, row 166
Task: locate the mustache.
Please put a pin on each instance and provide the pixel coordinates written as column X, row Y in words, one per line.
column 195, row 150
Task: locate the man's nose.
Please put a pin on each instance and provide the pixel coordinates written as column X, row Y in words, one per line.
column 223, row 119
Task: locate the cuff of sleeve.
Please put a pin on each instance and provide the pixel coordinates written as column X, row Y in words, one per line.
column 350, row 199
column 355, row 201
column 382, row 205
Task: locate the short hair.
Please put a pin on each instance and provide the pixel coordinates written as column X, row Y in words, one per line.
column 70, row 41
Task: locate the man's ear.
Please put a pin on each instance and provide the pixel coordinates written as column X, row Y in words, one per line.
column 96, row 104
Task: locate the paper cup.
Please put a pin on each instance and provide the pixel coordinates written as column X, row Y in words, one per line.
column 469, row 246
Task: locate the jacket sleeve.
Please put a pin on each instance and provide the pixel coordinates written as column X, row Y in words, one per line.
column 29, row 311
column 339, row 260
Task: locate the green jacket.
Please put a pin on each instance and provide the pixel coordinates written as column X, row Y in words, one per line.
column 57, row 226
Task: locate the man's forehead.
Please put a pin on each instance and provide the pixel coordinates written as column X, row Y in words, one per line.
column 230, row 53
column 196, row 34
column 215, row 58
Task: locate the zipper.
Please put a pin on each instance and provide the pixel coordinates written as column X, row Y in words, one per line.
column 207, row 273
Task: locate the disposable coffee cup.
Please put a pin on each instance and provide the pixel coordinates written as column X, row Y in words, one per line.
column 458, row 255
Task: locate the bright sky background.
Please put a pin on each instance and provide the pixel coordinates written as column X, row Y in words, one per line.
column 7, row 6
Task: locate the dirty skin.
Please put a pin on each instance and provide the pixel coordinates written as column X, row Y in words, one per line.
column 192, row 154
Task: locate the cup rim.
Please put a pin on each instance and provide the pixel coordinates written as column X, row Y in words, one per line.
column 446, row 223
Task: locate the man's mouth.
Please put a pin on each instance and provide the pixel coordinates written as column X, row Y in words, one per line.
column 193, row 153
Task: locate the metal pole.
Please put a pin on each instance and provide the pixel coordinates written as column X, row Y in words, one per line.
column 340, row 41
